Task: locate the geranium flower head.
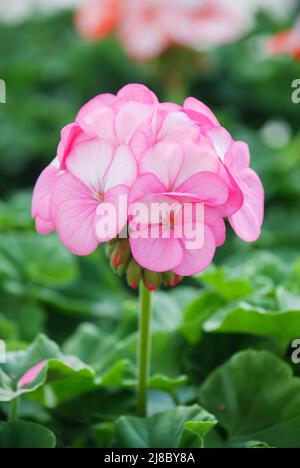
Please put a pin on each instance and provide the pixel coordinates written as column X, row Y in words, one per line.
column 145, row 177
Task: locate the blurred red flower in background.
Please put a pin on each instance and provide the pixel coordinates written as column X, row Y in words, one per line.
column 287, row 42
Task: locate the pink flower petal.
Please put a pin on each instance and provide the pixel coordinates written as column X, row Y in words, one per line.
column 157, row 255
column 237, row 158
column 123, row 169
column 198, row 158
column 89, row 161
column 221, row 140
column 73, row 211
column 199, row 107
column 164, row 160
column 43, row 190
column 131, row 117
column 116, row 198
column 209, row 187
column 31, row 375
column 69, row 135
column 248, row 220
column 139, row 93
column 178, row 127
column 146, row 184
column 216, row 224
column 96, row 118
column 196, row 260
column 43, row 227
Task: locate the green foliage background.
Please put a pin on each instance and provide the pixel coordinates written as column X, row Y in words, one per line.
column 222, row 374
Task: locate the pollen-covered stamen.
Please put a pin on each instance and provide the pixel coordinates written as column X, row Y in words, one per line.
column 172, row 219
column 99, row 196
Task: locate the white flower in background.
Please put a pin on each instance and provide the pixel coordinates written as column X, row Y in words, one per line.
column 14, row 11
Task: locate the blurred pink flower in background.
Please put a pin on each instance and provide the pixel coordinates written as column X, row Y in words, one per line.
column 131, row 144
column 146, row 28
column 286, row 42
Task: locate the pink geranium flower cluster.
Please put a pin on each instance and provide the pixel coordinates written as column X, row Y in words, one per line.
column 131, row 145
column 148, row 27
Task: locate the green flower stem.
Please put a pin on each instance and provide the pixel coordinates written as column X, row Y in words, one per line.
column 14, row 410
column 144, row 348
column 176, row 88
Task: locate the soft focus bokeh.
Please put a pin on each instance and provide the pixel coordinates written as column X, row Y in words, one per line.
column 81, row 316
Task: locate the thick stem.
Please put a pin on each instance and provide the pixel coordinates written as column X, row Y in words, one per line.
column 14, row 410
column 144, row 349
column 176, row 88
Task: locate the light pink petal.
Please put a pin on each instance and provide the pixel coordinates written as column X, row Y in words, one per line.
column 131, row 117
column 69, row 135
column 123, row 169
column 140, row 143
column 237, row 157
column 209, row 187
column 31, row 375
column 235, row 198
column 96, row 118
column 145, row 184
column 89, row 162
column 43, row 190
column 157, row 255
column 73, row 211
column 198, row 106
column 43, row 227
column 198, row 158
column 139, row 93
column 196, row 260
column 178, row 127
column 221, row 140
column 117, row 198
column 164, row 160
column 248, row 220
column 216, row 224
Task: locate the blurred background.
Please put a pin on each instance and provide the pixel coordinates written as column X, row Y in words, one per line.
column 51, row 66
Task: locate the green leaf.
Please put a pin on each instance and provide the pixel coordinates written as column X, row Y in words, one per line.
column 166, row 312
column 35, row 259
column 244, row 317
column 255, row 397
column 183, row 427
column 58, row 367
column 196, row 313
column 22, row 434
column 103, row 350
column 167, row 384
column 224, row 282
column 15, row 213
column 17, row 311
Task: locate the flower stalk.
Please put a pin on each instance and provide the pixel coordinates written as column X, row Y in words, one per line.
column 144, row 349
column 14, row 410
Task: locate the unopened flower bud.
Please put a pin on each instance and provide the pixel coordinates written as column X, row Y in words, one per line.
column 168, row 278
column 134, row 274
column 110, row 246
column 152, row 280
column 121, row 253
column 177, row 280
